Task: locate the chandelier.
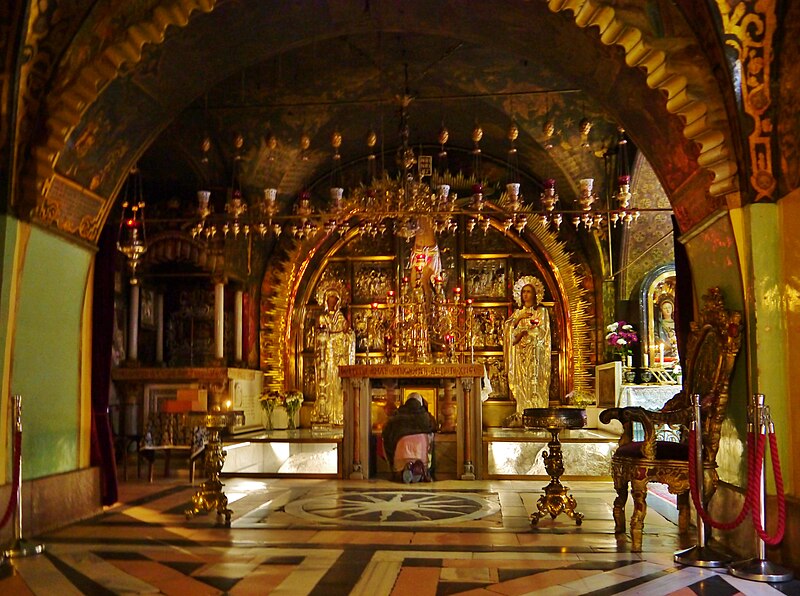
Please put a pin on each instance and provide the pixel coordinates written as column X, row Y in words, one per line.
column 399, row 203
column 131, row 236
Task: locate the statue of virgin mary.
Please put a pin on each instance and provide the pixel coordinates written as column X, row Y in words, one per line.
column 527, row 347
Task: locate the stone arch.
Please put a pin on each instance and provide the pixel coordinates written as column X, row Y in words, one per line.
column 696, row 114
column 699, row 114
column 71, row 104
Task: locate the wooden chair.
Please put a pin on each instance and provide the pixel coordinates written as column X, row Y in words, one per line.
column 711, row 349
column 169, row 433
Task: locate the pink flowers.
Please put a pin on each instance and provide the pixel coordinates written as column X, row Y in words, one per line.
column 620, row 336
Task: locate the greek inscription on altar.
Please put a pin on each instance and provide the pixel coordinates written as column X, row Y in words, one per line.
column 437, row 371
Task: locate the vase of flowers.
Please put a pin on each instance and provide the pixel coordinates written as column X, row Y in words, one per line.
column 621, row 336
column 268, row 402
column 292, row 402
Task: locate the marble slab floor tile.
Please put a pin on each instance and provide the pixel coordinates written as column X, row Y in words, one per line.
column 477, row 541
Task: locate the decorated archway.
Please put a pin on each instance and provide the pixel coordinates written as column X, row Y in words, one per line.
column 481, row 267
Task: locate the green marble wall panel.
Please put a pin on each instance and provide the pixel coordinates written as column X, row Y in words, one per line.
column 46, row 358
column 714, row 258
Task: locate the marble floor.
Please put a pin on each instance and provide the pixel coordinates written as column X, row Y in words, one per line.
column 374, row 538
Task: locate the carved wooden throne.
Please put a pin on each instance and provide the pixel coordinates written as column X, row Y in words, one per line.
column 712, row 346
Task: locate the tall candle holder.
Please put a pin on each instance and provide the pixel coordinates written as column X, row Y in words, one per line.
column 210, row 496
column 415, row 317
column 373, row 323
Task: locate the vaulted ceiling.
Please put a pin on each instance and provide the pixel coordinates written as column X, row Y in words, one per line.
column 280, row 70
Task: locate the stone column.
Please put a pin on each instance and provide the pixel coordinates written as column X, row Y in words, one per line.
column 237, row 325
column 467, row 385
column 219, row 321
column 133, row 325
column 160, row 328
column 357, row 473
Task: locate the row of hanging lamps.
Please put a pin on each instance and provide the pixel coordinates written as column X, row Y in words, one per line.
column 268, row 204
column 548, row 198
column 517, row 220
column 336, row 190
column 384, row 202
column 586, row 199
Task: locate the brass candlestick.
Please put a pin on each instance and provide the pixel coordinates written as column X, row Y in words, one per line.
column 556, row 498
column 210, row 495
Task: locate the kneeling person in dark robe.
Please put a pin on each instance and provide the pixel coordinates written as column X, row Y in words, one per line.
column 407, row 439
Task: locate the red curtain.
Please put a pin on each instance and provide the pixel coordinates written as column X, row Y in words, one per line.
column 102, row 452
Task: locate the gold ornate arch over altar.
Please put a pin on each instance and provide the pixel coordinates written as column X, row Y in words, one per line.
column 288, row 287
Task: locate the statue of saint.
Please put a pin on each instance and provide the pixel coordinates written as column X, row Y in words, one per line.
column 334, row 345
column 527, row 348
column 665, row 328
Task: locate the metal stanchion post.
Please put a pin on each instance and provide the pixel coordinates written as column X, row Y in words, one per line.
column 700, row 555
column 20, row 547
column 759, row 568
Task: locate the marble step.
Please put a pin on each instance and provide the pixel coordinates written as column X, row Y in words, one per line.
column 518, row 453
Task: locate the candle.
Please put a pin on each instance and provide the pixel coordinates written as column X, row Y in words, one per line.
column 646, row 358
column 456, row 294
column 661, row 353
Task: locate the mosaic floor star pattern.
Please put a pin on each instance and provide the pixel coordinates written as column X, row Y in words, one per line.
column 372, row 538
column 393, row 508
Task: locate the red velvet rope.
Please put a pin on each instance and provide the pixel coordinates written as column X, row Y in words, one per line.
column 12, row 501
column 756, row 512
column 753, row 496
column 748, row 500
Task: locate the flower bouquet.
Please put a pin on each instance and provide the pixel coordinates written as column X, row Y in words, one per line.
column 268, row 402
column 292, row 402
column 620, row 337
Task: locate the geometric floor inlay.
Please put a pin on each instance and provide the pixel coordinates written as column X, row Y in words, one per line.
column 314, row 545
column 392, row 507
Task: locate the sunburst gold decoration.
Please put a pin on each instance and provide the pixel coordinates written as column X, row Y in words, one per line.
column 280, row 291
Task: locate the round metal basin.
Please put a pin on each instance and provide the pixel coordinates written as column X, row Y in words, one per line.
column 554, row 418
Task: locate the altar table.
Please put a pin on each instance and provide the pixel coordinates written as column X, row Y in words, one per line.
column 649, row 397
column 357, row 384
